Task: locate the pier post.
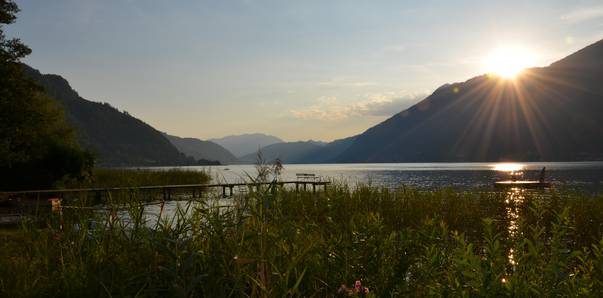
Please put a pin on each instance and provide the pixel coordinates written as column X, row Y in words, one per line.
column 224, row 191
column 231, row 188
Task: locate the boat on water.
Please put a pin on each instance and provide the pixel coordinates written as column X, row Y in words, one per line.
column 515, row 183
column 522, row 184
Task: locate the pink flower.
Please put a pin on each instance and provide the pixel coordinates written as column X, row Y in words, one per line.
column 357, row 285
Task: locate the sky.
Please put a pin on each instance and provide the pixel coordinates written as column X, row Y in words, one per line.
column 299, row 70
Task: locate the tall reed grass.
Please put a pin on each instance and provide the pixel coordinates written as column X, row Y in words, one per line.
column 276, row 242
column 101, row 177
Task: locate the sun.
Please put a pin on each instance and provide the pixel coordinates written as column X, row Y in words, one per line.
column 508, row 61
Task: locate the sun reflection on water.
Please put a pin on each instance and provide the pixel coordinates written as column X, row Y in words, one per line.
column 508, row 167
column 515, row 198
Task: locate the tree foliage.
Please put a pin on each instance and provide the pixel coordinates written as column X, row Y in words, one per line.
column 37, row 147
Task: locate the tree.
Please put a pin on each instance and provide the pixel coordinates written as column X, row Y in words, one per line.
column 37, row 146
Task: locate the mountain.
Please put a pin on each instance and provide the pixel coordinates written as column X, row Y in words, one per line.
column 289, row 152
column 327, row 153
column 244, row 144
column 552, row 113
column 202, row 150
column 302, row 151
column 117, row 138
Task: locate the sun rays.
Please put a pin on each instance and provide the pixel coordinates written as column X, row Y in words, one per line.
column 523, row 120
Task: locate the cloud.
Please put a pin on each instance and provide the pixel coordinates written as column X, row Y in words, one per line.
column 331, row 109
column 583, row 14
column 391, row 106
column 346, row 83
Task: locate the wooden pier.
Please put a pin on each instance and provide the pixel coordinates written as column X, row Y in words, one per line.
column 166, row 190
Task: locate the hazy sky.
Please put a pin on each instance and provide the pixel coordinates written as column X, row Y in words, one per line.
column 296, row 69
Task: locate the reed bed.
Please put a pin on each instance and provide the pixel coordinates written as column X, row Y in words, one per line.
column 100, row 178
column 277, row 242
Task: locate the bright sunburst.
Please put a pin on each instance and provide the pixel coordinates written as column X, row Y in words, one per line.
column 508, row 62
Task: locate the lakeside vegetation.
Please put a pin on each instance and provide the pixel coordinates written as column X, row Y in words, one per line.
column 52, row 138
column 101, row 178
column 278, row 242
column 37, row 145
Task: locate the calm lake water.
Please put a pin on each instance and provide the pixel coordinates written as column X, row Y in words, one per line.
column 565, row 176
column 581, row 176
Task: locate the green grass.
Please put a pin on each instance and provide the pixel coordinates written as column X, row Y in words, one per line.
column 281, row 243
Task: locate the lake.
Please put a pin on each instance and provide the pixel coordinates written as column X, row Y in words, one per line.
column 581, row 176
column 565, row 176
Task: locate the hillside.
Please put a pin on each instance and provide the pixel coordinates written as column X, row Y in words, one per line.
column 202, row 150
column 245, row 144
column 327, row 153
column 547, row 114
column 289, row 152
column 116, row 138
column 302, row 151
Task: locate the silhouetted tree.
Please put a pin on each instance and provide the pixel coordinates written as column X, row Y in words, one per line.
column 37, row 147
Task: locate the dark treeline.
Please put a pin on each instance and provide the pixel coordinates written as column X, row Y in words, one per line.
column 37, row 146
column 50, row 136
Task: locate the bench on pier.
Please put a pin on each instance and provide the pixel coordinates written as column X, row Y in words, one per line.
column 307, row 177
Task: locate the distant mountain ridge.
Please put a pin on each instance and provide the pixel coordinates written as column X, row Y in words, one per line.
column 329, row 152
column 245, row 144
column 117, row 138
column 287, row 152
column 202, row 150
column 551, row 113
column 301, row 151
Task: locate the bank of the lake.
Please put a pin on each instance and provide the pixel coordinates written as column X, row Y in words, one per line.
column 279, row 242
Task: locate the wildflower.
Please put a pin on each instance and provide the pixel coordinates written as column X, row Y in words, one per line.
column 357, row 290
column 357, row 285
